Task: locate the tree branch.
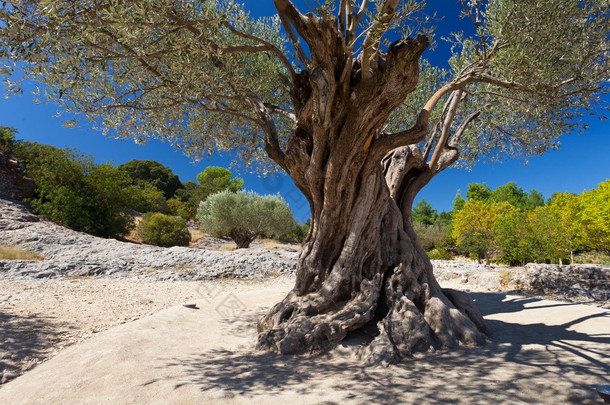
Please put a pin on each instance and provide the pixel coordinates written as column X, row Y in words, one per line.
column 272, row 145
column 371, row 43
column 294, row 40
column 446, row 128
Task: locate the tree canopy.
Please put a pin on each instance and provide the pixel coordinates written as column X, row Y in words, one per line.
column 244, row 216
column 152, row 173
column 206, row 76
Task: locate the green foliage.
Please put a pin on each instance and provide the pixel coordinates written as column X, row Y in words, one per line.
column 423, row 213
column 146, row 198
column 299, row 232
column 511, row 194
column 474, row 227
column 149, row 173
column 163, row 230
column 595, row 216
column 181, row 209
column 436, row 235
column 74, row 53
column 458, row 203
column 213, row 180
column 478, row 192
column 508, row 192
column 75, row 192
column 440, row 254
column 534, row 199
column 7, row 138
column 244, row 215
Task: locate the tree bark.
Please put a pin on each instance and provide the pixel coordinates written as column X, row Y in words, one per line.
column 243, row 239
column 361, row 267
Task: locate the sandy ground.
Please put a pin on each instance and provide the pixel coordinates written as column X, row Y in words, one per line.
column 39, row 318
column 541, row 351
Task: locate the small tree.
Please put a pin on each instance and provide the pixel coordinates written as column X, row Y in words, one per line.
column 163, row 230
column 244, row 215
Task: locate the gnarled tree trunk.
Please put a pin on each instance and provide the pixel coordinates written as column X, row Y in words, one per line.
column 361, row 264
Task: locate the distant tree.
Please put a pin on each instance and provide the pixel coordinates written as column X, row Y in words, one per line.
column 181, row 209
column 424, row 213
column 458, row 203
column 511, row 194
column 144, row 197
column 7, row 137
column 214, row 179
column 152, row 173
column 567, row 212
column 243, row 216
column 511, row 237
column 478, row 192
column 595, row 216
column 534, row 199
column 185, row 193
column 74, row 191
column 474, row 227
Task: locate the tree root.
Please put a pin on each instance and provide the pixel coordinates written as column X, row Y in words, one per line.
column 449, row 319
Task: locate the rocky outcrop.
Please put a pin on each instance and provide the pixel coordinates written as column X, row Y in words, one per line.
column 68, row 253
column 13, row 182
column 583, row 281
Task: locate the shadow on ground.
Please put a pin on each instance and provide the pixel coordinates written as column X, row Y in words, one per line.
column 25, row 338
column 533, row 363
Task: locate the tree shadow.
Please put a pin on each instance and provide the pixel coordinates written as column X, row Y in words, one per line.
column 521, row 364
column 25, row 339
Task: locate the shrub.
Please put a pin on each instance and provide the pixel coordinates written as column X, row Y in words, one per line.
column 435, row 235
column 74, row 191
column 244, row 216
column 146, row 198
column 181, row 209
column 440, row 254
column 163, row 230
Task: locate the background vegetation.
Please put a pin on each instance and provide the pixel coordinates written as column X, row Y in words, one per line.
column 511, row 226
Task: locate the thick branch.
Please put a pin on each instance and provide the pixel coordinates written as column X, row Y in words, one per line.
column 376, row 31
column 272, row 145
column 288, row 11
column 294, row 40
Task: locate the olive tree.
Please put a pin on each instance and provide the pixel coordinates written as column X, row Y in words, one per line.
column 340, row 100
column 243, row 216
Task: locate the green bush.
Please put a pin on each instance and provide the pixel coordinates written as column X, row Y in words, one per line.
column 146, row 198
column 244, row 216
column 163, row 230
column 73, row 191
column 440, row 254
column 181, row 209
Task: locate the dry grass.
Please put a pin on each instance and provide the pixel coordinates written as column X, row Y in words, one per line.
column 270, row 244
column 15, row 253
column 229, row 246
column 196, row 235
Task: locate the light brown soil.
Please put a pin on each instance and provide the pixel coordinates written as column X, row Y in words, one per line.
column 38, row 318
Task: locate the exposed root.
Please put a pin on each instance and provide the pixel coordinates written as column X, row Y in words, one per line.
column 288, row 328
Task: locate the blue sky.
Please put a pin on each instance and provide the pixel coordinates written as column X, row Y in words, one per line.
column 580, row 164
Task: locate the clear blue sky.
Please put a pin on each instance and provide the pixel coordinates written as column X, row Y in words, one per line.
column 581, row 163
